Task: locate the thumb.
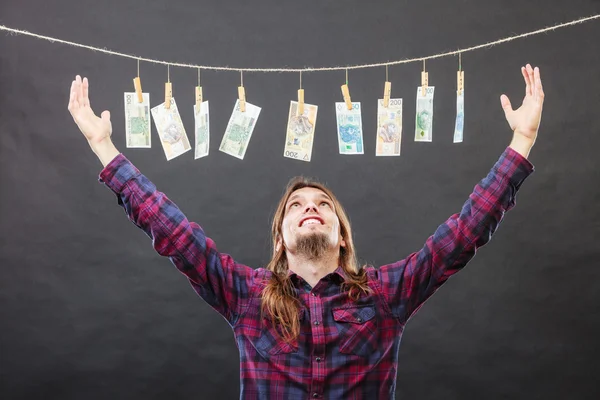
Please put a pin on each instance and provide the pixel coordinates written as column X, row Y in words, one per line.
column 106, row 119
column 506, row 106
column 106, row 116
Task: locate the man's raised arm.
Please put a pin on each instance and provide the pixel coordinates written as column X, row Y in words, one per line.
column 408, row 283
column 217, row 278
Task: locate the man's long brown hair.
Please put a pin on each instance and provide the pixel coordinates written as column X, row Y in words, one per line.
column 279, row 300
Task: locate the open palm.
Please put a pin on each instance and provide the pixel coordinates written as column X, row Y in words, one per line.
column 94, row 128
column 525, row 120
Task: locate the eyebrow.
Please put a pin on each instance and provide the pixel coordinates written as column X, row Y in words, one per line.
column 321, row 195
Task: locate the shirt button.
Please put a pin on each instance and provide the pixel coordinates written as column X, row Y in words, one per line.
column 315, row 395
column 359, row 319
column 314, row 295
column 316, row 322
column 318, row 359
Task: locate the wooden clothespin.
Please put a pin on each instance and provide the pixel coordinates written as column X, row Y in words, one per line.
column 168, row 90
column 387, row 92
column 168, row 95
column 387, row 89
column 300, row 97
column 424, row 80
column 198, row 97
column 198, row 94
column 460, row 77
column 138, row 89
column 242, row 93
column 137, row 84
column 300, row 101
column 346, row 93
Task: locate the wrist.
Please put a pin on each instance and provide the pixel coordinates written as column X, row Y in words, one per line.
column 521, row 144
column 105, row 150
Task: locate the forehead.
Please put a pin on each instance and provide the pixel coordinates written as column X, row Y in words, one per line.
column 308, row 192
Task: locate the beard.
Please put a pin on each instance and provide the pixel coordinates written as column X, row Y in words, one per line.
column 313, row 246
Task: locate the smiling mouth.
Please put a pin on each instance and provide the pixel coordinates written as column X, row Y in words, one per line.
column 311, row 221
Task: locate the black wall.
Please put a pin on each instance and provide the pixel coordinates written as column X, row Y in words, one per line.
column 88, row 309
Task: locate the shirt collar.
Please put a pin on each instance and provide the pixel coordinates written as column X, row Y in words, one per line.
column 338, row 276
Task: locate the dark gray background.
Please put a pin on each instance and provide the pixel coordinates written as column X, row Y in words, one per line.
column 88, row 309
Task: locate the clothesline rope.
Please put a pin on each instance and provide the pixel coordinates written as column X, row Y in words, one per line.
column 382, row 64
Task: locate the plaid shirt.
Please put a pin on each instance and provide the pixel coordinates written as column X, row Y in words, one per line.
column 346, row 349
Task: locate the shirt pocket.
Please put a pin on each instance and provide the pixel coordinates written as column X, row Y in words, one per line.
column 269, row 343
column 357, row 330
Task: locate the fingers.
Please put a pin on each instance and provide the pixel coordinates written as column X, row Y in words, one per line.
column 86, row 98
column 527, row 72
column 79, row 90
column 531, row 80
column 73, row 101
column 527, row 83
column 71, row 95
column 539, row 90
column 79, row 94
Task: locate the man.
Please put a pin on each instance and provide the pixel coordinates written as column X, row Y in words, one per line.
column 313, row 323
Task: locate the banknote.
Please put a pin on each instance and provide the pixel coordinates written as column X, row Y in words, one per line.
column 300, row 132
column 137, row 121
column 170, row 130
column 202, row 130
column 424, row 118
column 389, row 128
column 239, row 130
column 349, row 128
column 460, row 117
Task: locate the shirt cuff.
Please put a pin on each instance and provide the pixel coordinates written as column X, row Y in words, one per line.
column 514, row 166
column 117, row 173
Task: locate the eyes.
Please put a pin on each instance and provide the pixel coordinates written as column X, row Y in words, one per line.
column 296, row 204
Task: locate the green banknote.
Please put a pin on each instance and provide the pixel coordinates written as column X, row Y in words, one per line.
column 239, row 130
column 424, row 117
column 202, row 130
column 137, row 121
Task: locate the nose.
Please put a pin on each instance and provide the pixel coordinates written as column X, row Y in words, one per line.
column 310, row 206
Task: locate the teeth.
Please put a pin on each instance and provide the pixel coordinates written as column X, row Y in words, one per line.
column 311, row 221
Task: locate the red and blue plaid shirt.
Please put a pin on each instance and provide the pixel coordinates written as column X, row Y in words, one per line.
column 346, row 349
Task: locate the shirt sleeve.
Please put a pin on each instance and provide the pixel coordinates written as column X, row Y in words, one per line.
column 407, row 284
column 217, row 278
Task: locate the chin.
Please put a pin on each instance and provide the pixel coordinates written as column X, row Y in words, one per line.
column 313, row 244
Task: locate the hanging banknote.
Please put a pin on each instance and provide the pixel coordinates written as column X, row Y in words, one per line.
column 389, row 128
column 137, row 121
column 349, row 128
column 170, row 130
column 460, row 117
column 300, row 132
column 239, row 130
column 201, row 123
column 424, row 118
